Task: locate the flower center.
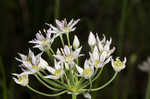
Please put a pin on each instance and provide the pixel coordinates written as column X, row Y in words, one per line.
column 74, row 90
column 57, row 72
column 67, row 29
column 35, row 67
column 20, row 79
column 97, row 62
column 87, row 72
column 45, row 43
column 69, row 58
column 118, row 63
column 29, row 59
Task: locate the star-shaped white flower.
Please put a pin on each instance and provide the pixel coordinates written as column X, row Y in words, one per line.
column 98, row 59
column 32, row 63
column 64, row 27
column 68, row 55
column 118, row 65
column 88, row 70
column 42, row 42
column 56, row 72
column 104, row 45
column 22, row 79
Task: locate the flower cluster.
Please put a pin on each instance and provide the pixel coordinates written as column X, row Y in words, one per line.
column 67, row 74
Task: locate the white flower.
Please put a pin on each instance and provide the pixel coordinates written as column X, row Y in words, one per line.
column 56, row 72
column 64, row 27
column 22, row 79
column 76, row 42
column 32, row 63
column 91, row 39
column 99, row 59
column 68, row 55
column 87, row 71
column 145, row 66
column 118, row 65
column 41, row 42
column 104, row 45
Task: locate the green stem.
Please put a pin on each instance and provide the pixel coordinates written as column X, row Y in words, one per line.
column 52, row 51
column 97, row 76
column 56, row 84
column 106, row 84
column 68, row 40
column 147, row 96
column 62, row 41
column 42, row 82
column 74, row 96
column 4, row 79
column 45, row 94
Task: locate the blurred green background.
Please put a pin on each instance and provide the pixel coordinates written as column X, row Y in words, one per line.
column 126, row 21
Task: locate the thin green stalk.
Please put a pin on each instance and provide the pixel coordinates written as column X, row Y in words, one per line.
column 147, row 96
column 62, row 41
column 106, row 84
column 58, row 85
column 52, row 51
column 68, row 40
column 48, row 86
column 74, row 96
column 97, row 76
column 45, row 94
column 3, row 79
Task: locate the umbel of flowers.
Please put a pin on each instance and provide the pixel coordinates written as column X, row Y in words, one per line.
column 67, row 75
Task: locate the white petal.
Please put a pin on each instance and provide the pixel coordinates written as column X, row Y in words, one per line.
column 23, row 57
column 67, row 50
column 100, row 46
column 50, row 69
column 39, row 36
column 74, row 23
column 86, row 64
column 79, row 69
column 95, row 53
column 59, row 23
column 61, row 58
column 125, row 60
column 76, row 53
column 103, row 56
column 70, row 23
column 43, row 63
column 51, row 77
column 57, row 65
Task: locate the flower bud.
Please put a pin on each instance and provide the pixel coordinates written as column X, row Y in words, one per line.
column 76, row 42
column 91, row 39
